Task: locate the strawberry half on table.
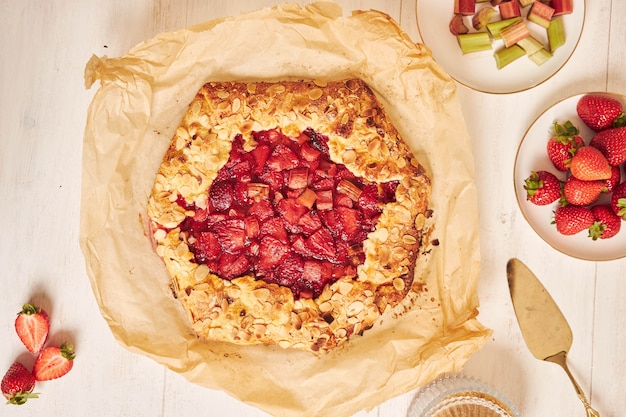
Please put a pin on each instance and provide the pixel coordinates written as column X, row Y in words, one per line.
column 32, row 326
column 18, row 384
column 53, row 362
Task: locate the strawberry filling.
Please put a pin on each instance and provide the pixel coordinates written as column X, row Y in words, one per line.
column 285, row 212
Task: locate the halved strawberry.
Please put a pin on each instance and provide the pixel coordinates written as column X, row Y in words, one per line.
column 32, row 325
column 282, row 158
column 54, row 362
column 368, row 200
column 350, row 222
column 290, row 270
column 607, row 224
column 231, row 234
column 206, row 247
column 315, row 276
column 290, row 209
column 221, row 195
column 262, row 210
column 260, row 155
column 563, row 144
column 274, row 227
column 309, row 222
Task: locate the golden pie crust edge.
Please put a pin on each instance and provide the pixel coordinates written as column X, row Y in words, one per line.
column 361, row 136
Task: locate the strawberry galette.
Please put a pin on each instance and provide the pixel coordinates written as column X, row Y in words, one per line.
column 288, row 213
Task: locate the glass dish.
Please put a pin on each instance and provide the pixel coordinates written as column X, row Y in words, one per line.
column 460, row 396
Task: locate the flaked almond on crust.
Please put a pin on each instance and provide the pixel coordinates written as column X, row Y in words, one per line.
column 288, row 213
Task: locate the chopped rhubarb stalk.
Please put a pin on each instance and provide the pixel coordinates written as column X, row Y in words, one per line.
column 556, row 33
column 483, row 16
column 457, row 25
column 324, row 200
column 530, row 45
column 252, row 227
column 525, row 3
column 514, row 33
column 465, row 7
column 307, row 198
column 298, row 178
column 541, row 14
column 258, row 191
column 505, row 56
column 348, row 188
column 474, row 42
column 541, row 56
column 494, row 28
column 562, row 7
column 509, row 9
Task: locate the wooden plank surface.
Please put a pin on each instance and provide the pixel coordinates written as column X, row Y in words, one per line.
column 43, row 105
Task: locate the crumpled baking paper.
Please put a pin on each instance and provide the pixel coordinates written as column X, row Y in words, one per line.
column 134, row 113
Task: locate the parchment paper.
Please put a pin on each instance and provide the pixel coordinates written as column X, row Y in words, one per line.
column 141, row 99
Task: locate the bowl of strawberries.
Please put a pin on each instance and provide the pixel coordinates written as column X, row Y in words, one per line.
column 570, row 176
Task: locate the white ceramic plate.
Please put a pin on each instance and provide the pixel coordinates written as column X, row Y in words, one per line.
column 532, row 156
column 478, row 70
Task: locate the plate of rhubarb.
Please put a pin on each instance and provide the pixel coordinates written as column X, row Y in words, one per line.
column 569, row 176
column 501, row 46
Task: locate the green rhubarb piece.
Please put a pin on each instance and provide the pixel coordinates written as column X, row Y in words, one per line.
column 556, row 33
column 494, row 28
column 505, row 56
column 525, row 3
column 474, row 42
column 530, row 45
column 541, row 56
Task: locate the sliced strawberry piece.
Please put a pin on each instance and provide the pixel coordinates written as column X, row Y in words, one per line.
column 324, row 200
column 233, row 265
column 274, row 227
column 290, row 270
column 275, row 180
column 282, row 158
column 290, row 210
column 54, row 362
column 262, row 210
column 240, row 193
column 271, row 252
column 271, row 137
column 387, row 191
column 321, row 245
column 350, row 221
column 342, row 200
column 309, row 153
column 242, row 171
column 330, row 220
column 32, row 326
column 231, row 234
column 368, row 200
column 207, row 247
column 326, row 169
column 221, row 195
column 260, row 155
column 315, row 276
column 322, row 183
column 309, row 222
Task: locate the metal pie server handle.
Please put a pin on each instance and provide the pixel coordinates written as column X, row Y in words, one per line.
column 561, row 359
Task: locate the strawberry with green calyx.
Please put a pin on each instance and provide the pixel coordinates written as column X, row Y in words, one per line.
column 32, row 326
column 589, row 164
column 54, row 362
column 18, row 384
column 570, row 220
column 600, row 112
column 612, row 144
column 582, row 193
column 607, row 223
column 542, row 188
column 618, row 200
column 563, row 144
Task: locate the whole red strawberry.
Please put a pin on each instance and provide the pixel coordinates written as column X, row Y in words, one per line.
column 616, row 178
column 570, row 220
column 589, row 164
column 54, row 362
column 18, row 384
column 600, row 112
column 32, row 326
column 542, row 188
column 582, row 193
column 562, row 145
column 612, row 144
column 618, row 200
column 607, row 223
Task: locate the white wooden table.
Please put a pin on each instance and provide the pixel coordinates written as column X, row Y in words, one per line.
column 43, row 50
